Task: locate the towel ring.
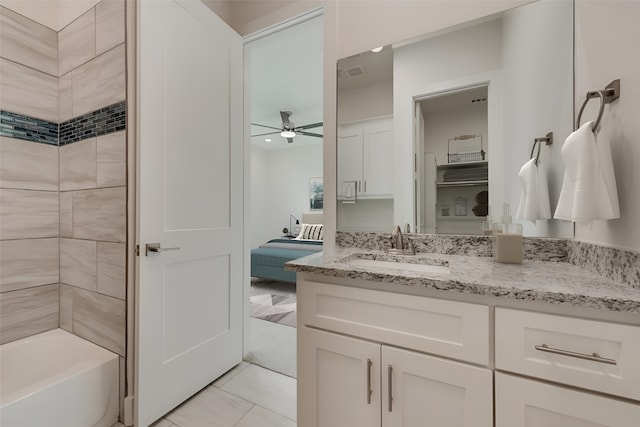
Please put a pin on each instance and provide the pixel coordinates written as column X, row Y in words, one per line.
column 608, row 95
column 548, row 138
column 591, row 95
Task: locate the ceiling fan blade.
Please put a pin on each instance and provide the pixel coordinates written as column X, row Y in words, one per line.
column 290, row 140
column 309, row 134
column 310, row 126
column 284, row 115
column 264, row 134
column 265, row 126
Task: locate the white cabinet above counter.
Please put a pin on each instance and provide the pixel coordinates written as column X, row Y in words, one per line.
column 365, row 158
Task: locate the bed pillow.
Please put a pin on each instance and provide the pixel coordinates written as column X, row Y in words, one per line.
column 310, row 232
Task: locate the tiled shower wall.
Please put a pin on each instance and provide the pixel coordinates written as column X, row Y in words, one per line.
column 63, row 199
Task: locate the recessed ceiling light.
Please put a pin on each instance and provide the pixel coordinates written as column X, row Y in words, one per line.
column 377, row 49
column 267, row 140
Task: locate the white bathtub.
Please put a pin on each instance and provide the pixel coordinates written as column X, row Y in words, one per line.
column 56, row 379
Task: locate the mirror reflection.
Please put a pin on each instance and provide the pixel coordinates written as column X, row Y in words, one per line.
column 433, row 132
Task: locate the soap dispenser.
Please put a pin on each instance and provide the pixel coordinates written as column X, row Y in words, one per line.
column 508, row 239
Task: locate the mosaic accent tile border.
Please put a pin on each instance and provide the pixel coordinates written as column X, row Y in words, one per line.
column 100, row 122
column 28, row 128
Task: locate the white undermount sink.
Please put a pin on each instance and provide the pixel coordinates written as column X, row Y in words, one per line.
column 399, row 263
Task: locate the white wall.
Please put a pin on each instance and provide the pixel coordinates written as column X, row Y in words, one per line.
column 441, row 125
column 375, row 100
column 280, row 187
column 365, row 24
column 607, row 43
column 540, row 56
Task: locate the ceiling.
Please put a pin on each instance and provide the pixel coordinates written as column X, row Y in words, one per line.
column 286, row 75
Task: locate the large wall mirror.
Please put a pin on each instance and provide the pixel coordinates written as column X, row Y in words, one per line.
column 432, row 132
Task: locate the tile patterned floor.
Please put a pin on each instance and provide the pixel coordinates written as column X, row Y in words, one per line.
column 246, row 396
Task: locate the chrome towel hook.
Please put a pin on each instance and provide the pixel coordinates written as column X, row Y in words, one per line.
column 608, row 95
column 548, row 138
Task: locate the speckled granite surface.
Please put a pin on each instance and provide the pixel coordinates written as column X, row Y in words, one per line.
column 482, row 246
column 555, row 271
column 618, row 265
column 550, row 282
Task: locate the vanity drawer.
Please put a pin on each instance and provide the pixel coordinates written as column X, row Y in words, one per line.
column 521, row 402
column 452, row 329
column 562, row 349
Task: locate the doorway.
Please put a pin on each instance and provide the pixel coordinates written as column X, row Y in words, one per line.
column 452, row 150
column 283, row 92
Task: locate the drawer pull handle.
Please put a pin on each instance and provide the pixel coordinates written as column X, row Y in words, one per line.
column 389, row 381
column 369, row 391
column 595, row 357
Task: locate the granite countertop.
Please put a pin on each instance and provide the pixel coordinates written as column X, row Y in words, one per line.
column 544, row 281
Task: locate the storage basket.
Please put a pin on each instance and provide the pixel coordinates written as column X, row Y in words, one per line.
column 465, row 156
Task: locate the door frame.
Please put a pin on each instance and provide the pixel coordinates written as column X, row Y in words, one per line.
column 493, row 81
column 288, row 23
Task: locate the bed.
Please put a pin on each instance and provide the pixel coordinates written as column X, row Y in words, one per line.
column 267, row 260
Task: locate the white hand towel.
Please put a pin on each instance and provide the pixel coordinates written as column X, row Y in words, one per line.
column 534, row 198
column 586, row 194
column 528, row 206
column 544, row 206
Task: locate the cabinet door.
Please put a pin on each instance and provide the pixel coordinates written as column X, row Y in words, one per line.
column 378, row 158
column 427, row 391
column 526, row 403
column 350, row 140
column 338, row 380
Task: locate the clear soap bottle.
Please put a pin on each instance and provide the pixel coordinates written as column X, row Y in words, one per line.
column 508, row 240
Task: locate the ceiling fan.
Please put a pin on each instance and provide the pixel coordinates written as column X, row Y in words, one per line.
column 289, row 130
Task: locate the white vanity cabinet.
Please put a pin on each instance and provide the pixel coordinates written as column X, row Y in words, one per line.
column 376, row 358
column 595, row 356
column 366, row 157
column 352, row 371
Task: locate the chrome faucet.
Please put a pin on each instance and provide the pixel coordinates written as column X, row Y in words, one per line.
column 397, row 241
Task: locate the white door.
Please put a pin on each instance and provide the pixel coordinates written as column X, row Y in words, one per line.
column 338, row 380
column 378, row 158
column 427, row 391
column 190, row 166
column 350, row 157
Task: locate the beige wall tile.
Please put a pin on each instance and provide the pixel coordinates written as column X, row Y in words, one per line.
column 112, row 159
column 112, row 269
column 77, row 42
column 27, row 91
column 28, row 263
column 28, row 43
column 66, row 214
column 28, row 165
column 78, row 169
column 66, row 307
column 100, row 214
column 100, row 319
column 65, row 98
column 26, row 214
column 100, row 82
column 28, row 312
column 78, row 263
column 109, row 24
